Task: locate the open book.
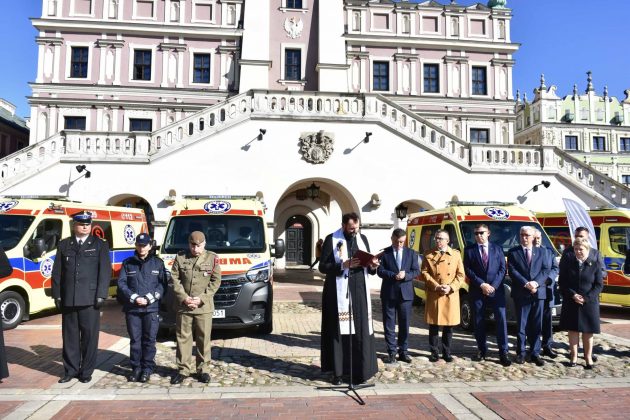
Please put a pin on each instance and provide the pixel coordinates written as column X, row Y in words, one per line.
column 365, row 257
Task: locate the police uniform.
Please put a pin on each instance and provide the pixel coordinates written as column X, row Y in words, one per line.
column 80, row 282
column 195, row 277
column 142, row 278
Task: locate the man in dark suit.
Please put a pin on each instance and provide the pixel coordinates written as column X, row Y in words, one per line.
column 80, row 281
column 399, row 266
column 484, row 264
column 529, row 268
column 550, row 283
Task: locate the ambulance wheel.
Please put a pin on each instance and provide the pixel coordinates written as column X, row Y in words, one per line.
column 12, row 307
column 466, row 312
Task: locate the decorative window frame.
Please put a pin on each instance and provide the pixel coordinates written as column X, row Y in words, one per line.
column 72, row 13
column 487, row 26
column 390, row 22
column 478, row 125
column 441, row 71
column 131, row 114
column 470, row 79
column 293, row 46
column 191, row 67
column 421, row 24
column 134, row 13
column 390, row 60
column 69, row 45
column 283, row 7
column 74, row 112
column 132, row 57
column 193, row 15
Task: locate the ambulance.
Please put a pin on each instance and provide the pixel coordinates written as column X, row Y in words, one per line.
column 459, row 219
column 236, row 229
column 612, row 231
column 30, row 230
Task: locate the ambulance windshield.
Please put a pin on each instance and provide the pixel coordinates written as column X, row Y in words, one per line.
column 12, row 229
column 224, row 234
column 503, row 233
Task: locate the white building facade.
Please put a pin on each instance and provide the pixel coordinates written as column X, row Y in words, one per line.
column 376, row 103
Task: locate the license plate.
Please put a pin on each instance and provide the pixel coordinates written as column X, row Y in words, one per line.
column 220, row 313
column 553, row 311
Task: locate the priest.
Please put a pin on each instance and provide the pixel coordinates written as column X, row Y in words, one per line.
column 346, row 288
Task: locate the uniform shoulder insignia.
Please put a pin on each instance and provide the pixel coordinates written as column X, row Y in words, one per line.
column 181, row 253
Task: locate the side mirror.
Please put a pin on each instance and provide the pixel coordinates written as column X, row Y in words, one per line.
column 36, row 248
column 278, row 248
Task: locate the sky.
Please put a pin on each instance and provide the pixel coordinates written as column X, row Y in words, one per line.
column 561, row 38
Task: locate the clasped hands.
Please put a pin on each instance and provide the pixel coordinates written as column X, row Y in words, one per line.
column 532, row 286
column 355, row 262
column 443, row 289
column 192, row 302
column 486, row 289
column 579, row 299
column 142, row 301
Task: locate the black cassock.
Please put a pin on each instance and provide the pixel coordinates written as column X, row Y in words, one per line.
column 334, row 346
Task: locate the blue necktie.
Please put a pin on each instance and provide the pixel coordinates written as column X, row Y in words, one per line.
column 399, row 258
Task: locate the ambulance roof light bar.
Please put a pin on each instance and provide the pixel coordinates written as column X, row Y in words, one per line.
column 219, row 197
column 479, row 203
column 38, row 197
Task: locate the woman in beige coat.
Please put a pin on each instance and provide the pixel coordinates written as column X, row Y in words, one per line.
column 443, row 274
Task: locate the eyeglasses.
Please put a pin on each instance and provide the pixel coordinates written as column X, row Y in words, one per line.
column 480, row 232
column 441, row 239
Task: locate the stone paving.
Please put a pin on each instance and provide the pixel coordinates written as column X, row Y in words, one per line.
column 278, row 375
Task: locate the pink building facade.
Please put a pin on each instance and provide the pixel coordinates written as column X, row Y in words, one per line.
column 140, row 65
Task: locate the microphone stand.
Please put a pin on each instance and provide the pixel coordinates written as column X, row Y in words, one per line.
column 351, row 386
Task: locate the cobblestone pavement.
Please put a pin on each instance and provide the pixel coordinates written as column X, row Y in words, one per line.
column 279, row 373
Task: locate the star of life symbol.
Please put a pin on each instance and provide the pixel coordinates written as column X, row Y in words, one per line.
column 217, row 207
column 130, row 234
column 496, row 213
column 46, row 267
column 7, row 205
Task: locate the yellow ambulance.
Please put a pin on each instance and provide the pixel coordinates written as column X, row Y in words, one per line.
column 459, row 219
column 30, row 229
column 612, row 230
column 236, row 229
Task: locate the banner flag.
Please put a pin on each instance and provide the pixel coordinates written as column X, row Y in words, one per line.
column 577, row 216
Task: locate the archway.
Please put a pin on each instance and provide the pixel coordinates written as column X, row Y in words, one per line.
column 298, row 233
column 137, row 202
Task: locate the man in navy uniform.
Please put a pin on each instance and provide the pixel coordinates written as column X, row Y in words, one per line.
column 141, row 285
column 547, row 319
column 529, row 269
column 399, row 266
column 80, row 281
column 484, row 264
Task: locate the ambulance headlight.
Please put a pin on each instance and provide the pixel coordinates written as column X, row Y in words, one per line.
column 258, row 274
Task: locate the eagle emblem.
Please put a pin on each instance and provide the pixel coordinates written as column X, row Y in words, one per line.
column 293, row 26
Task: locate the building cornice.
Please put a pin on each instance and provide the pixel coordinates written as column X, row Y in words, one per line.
column 116, row 43
column 405, row 56
column 47, row 40
column 129, row 27
column 431, row 43
column 109, row 90
column 331, row 66
column 456, row 59
column 262, row 63
column 172, row 46
column 357, row 54
column 227, row 49
column 502, row 62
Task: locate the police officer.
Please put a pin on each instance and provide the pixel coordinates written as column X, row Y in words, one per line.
column 80, row 281
column 141, row 285
column 196, row 277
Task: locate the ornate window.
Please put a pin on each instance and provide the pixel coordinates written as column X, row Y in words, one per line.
column 570, row 142
column 294, row 4
column 480, row 135
column 74, row 123
column 431, row 78
column 292, row 64
column 380, row 75
column 599, row 143
column 201, row 68
column 79, row 62
column 479, row 81
column 140, row 124
column 142, row 65
column 624, row 144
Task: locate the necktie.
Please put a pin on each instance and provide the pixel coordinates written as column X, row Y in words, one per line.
column 80, row 242
column 528, row 256
column 398, row 259
column 484, row 256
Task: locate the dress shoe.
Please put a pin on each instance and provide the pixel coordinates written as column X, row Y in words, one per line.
column 519, row 359
column 594, row 358
column 144, row 377
column 588, row 366
column 571, row 364
column 505, row 360
column 134, row 376
column 447, row 358
column 177, row 379
column 479, row 357
column 336, row 380
column 66, row 378
column 404, row 357
column 390, row 359
column 548, row 351
column 536, row 359
column 434, row 357
column 204, row 377
column 85, row 379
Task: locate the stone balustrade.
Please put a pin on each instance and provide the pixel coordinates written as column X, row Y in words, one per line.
column 320, row 106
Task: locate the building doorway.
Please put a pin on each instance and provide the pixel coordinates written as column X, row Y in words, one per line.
column 298, row 240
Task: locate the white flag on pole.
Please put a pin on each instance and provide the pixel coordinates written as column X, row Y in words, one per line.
column 577, row 216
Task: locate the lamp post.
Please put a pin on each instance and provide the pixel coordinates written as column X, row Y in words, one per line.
column 312, row 191
column 401, row 211
column 521, row 198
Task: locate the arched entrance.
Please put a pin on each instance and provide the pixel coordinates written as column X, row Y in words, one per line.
column 137, row 202
column 299, row 231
